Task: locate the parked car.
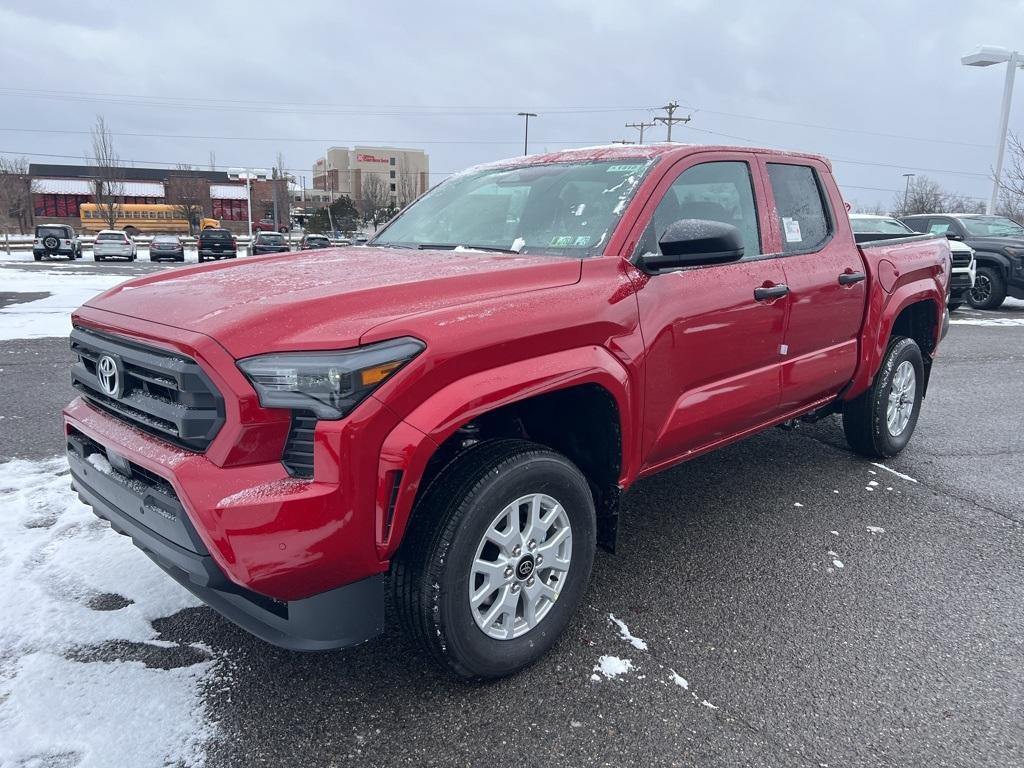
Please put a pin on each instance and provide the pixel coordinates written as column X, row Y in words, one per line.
column 868, row 227
column 461, row 424
column 998, row 244
column 166, row 247
column 266, row 225
column 113, row 244
column 268, row 242
column 56, row 240
column 216, row 243
column 312, row 242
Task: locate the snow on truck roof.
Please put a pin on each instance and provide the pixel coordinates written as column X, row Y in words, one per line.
column 631, row 152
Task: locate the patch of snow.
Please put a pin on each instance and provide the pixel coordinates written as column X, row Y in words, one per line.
column 838, row 563
column 908, row 478
column 874, row 529
column 834, row 533
column 517, row 244
column 59, row 556
column 708, row 704
column 868, row 488
column 873, row 483
column 100, row 462
column 636, row 642
column 51, row 315
column 611, row 667
column 797, row 504
column 679, row 680
column 990, row 322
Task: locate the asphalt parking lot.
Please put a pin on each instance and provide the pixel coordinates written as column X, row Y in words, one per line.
column 822, row 610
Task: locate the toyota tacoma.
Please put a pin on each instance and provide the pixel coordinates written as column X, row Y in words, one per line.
column 454, row 411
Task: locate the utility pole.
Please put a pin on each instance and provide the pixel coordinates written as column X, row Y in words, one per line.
column 526, row 134
column 906, row 192
column 641, row 125
column 668, row 121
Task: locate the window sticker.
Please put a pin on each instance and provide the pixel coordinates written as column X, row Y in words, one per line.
column 561, row 241
column 624, row 168
column 582, row 241
column 792, row 227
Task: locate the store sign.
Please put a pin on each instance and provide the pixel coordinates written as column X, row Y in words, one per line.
column 371, row 159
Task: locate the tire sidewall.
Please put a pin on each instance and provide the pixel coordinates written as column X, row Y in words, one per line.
column 902, row 350
column 996, row 292
column 452, row 614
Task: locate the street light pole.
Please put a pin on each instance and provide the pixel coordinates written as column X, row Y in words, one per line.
column 526, row 134
column 984, row 57
column 906, row 192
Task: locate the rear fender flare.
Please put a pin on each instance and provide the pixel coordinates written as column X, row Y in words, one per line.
column 882, row 312
column 410, row 445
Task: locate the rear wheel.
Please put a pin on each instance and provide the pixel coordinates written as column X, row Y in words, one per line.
column 880, row 422
column 496, row 558
column 37, row 256
column 989, row 289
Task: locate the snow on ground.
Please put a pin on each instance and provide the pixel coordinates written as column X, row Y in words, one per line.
column 990, row 322
column 636, row 642
column 611, row 667
column 72, row 584
column 50, row 316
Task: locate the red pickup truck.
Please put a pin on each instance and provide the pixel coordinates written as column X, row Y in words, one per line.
column 454, row 411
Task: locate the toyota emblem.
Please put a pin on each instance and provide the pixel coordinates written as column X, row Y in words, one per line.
column 108, row 374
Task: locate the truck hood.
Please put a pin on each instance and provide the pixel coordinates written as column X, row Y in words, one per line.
column 995, row 243
column 325, row 299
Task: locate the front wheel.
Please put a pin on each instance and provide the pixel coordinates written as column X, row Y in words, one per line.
column 496, row 559
column 989, row 289
column 879, row 423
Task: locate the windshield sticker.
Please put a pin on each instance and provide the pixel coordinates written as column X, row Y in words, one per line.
column 792, row 227
column 581, row 242
column 625, row 168
column 561, row 241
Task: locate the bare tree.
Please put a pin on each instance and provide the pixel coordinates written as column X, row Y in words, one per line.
column 106, row 182
column 376, row 201
column 15, row 195
column 1011, row 190
column 282, row 201
column 875, row 209
column 923, row 195
column 188, row 194
column 408, row 188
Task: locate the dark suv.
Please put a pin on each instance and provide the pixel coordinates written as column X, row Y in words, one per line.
column 268, row 242
column 217, row 244
column 998, row 244
column 56, row 240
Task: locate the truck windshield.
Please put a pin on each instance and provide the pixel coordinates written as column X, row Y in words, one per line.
column 879, row 227
column 561, row 209
column 992, row 226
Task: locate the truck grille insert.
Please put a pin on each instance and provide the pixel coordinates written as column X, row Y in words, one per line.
column 298, row 451
column 159, row 392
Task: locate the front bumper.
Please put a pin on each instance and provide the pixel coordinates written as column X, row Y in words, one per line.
column 145, row 507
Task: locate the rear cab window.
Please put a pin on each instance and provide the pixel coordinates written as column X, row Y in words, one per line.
column 60, row 232
column 804, row 217
column 215, row 234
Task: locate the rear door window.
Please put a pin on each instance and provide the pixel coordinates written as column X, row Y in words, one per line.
column 805, row 221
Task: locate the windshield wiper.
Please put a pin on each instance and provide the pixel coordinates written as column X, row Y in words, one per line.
column 450, row 247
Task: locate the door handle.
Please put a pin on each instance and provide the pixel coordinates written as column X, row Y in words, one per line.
column 772, row 292
column 849, row 278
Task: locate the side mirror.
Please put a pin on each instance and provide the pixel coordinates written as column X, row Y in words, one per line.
column 695, row 242
column 953, row 236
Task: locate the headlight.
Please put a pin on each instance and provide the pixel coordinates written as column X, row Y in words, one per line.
column 330, row 384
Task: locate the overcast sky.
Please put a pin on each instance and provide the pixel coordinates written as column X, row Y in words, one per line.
column 879, row 88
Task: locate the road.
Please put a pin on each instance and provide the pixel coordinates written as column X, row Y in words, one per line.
column 910, row 653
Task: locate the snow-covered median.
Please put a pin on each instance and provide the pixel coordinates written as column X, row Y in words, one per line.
column 71, row 584
column 49, row 316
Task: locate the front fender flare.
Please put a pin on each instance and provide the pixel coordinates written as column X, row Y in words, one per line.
column 408, row 448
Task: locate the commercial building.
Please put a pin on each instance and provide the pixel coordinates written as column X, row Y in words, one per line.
column 400, row 174
column 59, row 190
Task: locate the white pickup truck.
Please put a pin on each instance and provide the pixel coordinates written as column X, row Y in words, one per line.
column 865, row 225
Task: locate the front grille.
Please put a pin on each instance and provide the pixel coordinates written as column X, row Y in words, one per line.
column 162, row 393
column 961, row 259
column 298, row 451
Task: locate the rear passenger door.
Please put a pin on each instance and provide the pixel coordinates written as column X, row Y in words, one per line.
column 827, row 281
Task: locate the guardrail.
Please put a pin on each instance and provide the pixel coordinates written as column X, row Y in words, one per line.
column 11, row 244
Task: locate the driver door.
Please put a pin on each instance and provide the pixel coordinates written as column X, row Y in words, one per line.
column 713, row 350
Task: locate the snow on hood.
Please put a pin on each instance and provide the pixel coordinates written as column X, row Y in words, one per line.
column 325, row 299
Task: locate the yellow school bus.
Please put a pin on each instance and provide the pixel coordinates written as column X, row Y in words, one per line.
column 138, row 218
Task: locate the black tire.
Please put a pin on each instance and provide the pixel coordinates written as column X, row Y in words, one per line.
column 989, row 289
column 37, row 257
column 202, row 259
column 98, row 258
column 954, row 305
column 431, row 571
column 864, row 418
